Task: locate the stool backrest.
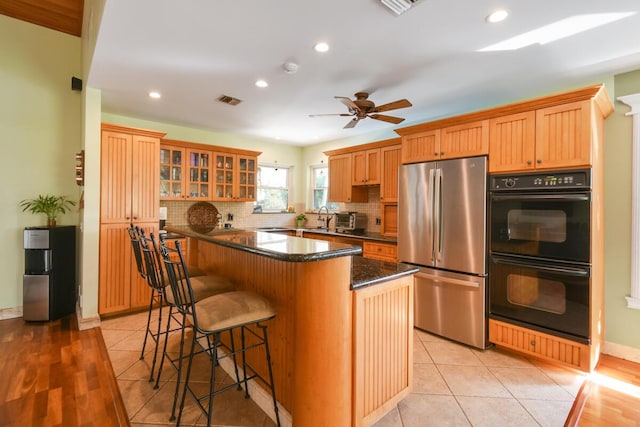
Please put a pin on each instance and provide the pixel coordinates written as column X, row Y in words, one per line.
column 152, row 261
column 178, row 278
column 134, row 235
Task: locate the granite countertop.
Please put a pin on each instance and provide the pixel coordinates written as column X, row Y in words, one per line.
column 272, row 245
column 364, row 235
column 367, row 272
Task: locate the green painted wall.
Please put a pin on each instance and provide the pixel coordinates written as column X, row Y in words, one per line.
column 40, row 124
column 622, row 323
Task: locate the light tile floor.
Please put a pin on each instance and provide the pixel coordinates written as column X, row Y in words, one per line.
column 454, row 385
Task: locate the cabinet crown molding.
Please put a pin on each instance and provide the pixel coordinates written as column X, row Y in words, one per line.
column 126, row 129
column 597, row 92
column 208, row 147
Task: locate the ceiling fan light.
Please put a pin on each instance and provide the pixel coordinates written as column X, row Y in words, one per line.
column 397, row 6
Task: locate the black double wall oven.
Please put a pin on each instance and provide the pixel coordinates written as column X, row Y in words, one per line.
column 540, row 251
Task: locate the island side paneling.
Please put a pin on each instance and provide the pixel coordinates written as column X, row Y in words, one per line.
column 311, row 336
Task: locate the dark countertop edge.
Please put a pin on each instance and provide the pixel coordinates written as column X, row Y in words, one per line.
column 366, row 236
column 317, row 256
column 383, row 275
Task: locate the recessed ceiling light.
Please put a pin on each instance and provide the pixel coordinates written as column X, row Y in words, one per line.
column 262, row 83
column 497, row 16
column 321, row 47
column 154, row 95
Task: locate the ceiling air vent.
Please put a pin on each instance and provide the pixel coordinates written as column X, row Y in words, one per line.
column 399, row 7
column 229, row 100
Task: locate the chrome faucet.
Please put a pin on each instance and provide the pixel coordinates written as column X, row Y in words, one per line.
column 323, row 222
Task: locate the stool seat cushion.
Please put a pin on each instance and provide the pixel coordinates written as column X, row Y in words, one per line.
column 232, row 309
column 204, row 287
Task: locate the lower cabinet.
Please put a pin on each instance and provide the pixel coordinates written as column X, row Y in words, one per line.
column 380, row 251
column 382, row 368
column 541, row 345
column 121, row 286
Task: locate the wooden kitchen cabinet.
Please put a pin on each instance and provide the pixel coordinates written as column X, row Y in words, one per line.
column 563, row 136
column 235, row 177
column 129, row 193
column 380, row 251
column 421, row 147
column 199, row 174
column 172, row 172
column 389, row 220
column 340, row 186
column 382, row 367
column 464, row 140
column 365, row 167
column 548, row 138
column 512, row 142
column 390, row 160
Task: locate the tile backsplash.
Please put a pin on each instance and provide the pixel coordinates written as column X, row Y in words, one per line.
column 243, row 216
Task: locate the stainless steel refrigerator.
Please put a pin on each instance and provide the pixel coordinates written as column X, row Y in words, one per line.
column 442, row 217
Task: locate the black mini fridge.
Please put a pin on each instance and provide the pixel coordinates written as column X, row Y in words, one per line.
column 49, row 281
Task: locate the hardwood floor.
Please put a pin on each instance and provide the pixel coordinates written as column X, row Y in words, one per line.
column 609, row 396
column 52, row 374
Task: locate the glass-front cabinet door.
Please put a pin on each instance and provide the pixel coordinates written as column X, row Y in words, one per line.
column 247, row 178
column 235, row 177
column 224, row 167
column 171, row 173
column 198, row 185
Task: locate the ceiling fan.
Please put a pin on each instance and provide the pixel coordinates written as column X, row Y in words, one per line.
column 361, row 108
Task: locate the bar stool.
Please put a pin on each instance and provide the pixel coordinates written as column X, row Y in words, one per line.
column 204, row 286
column 210, row 318
column 156, row 296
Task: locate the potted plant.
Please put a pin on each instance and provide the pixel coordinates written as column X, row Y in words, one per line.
column 50, row 205
column 300, row 219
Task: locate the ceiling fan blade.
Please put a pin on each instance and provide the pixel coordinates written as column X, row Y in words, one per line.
column 348, row 102
column 402, row 103
column 384, row 118
column 352, row 123
column 336, row 114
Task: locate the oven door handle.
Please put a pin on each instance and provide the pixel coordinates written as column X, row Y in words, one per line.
column 577, row 272
column 554, row 197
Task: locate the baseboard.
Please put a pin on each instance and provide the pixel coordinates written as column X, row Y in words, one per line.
column 10, row 313
column 89, row 322
column 621, row 351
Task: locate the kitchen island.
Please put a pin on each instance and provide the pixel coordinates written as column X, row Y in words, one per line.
column 341, row 342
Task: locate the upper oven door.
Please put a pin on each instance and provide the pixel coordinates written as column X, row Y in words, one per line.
column 542, row 225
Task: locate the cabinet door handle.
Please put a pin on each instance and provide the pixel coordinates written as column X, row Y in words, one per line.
column 529, row 162
column 442, row 153
column 435, row 154
column 538, row 161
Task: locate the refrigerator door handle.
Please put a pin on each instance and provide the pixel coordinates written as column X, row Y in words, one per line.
column 441, row 279
column 432, row 221
column 437, row 208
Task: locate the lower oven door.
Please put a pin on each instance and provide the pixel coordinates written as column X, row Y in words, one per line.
column 547, row 296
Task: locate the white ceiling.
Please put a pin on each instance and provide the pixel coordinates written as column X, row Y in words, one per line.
column 193, row 51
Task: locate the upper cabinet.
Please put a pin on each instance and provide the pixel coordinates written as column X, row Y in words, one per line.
column 199, row 174
column 235, row 177
column 365, row 167
column 389, row 177
column 172, row 167
column 194, row 171
column 512, row 142
column 552, row 132
column 465, row 140
column 340, row 187
column 547, row 138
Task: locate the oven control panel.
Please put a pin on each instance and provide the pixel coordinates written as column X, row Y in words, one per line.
column 573, row 179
